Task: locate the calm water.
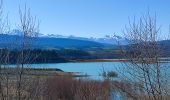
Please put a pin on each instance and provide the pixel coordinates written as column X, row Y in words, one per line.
column 90, row 68
column 94, row 69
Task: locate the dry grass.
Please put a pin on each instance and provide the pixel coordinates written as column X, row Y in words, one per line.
column 66, row 88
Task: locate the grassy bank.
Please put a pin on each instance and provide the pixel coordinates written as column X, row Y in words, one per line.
column 34, row 72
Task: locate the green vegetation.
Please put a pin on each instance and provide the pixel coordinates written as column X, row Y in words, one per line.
column 57, row 55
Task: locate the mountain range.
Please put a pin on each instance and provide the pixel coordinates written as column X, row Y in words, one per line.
column 52, row 41
column 60, row 41
column 14, row 40
column 107, row 39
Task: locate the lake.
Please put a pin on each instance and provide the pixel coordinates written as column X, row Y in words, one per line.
column 90, row 68
column 95, row 69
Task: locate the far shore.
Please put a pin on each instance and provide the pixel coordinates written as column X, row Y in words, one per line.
column 162, row 60
column 100, row 60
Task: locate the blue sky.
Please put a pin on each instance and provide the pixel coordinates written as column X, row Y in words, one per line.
column 88, row 18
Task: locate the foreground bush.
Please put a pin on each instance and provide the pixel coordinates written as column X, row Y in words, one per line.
column 66, row 88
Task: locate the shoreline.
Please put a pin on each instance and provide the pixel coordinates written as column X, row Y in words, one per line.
column 100, row 60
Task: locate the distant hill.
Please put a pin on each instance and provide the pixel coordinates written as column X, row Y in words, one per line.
column 52, row 41
column 58, row 48
column 46, row 42
column 164, row 46
column 14, row 41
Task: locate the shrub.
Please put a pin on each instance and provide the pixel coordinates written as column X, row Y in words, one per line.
column 67, row 88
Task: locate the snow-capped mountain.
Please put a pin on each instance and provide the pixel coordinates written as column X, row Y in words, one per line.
column 112, row 39
column 108, row 39
column 55, row 36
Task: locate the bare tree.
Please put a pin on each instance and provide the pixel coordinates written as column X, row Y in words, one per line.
column 29, row 28
column 144, row 59
column 4, row 56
